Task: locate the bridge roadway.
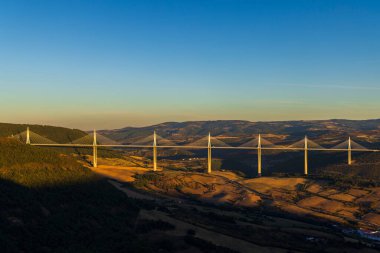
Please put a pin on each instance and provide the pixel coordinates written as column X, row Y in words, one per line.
column 69, row 145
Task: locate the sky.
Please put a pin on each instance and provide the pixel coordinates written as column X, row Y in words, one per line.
column 110, row 64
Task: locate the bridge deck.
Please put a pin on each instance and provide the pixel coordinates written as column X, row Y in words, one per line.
column 201, row 147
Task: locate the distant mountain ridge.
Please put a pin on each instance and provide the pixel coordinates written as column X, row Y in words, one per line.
column 364, row 130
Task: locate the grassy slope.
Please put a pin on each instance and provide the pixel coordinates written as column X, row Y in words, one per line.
column 50, row 202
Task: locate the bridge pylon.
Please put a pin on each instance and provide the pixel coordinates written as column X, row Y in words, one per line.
column 259, row 156
column 154, row 151
column 95, row 151
column 306, row 165
column 209, row 159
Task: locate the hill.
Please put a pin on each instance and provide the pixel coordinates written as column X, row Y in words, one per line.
column 57, row 134
column 366, row 131
column 50, row 202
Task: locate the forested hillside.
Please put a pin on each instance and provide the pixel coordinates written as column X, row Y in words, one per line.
column 364, row 172
column 56, row 134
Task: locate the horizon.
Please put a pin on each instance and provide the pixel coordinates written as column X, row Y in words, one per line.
column 188, row 121
column 107, row 65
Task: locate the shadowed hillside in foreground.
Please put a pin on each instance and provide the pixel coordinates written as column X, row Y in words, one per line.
column 51, row 203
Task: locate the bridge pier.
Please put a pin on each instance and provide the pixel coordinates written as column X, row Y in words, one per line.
column 306, row 166
column 154, row 151
column 209, row 159
column 349, row 151
column 95, row 151
column 27, row 136
column 259, row 157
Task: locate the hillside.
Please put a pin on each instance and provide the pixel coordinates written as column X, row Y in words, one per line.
column 306, row 198
column 56, row 134
column 366, row 131
column 277, row 214
column 49, row 202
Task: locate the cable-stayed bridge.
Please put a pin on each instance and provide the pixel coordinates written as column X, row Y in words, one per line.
column 154, row 142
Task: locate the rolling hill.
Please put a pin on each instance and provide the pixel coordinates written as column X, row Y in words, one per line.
column 326, row 131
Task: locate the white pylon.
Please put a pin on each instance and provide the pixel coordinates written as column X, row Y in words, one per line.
column 259, row 156
column 95, row 151
column 209, row 163
column 154, row 151
column 27, row 136
column 349, row 151
column 306, row 167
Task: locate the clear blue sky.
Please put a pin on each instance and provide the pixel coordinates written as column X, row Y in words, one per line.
column 108, row 64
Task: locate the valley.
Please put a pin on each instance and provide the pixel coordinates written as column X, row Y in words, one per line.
column 180, row 207
column 299, row 209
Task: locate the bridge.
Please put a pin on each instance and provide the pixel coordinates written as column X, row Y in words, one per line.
column 154, row 142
